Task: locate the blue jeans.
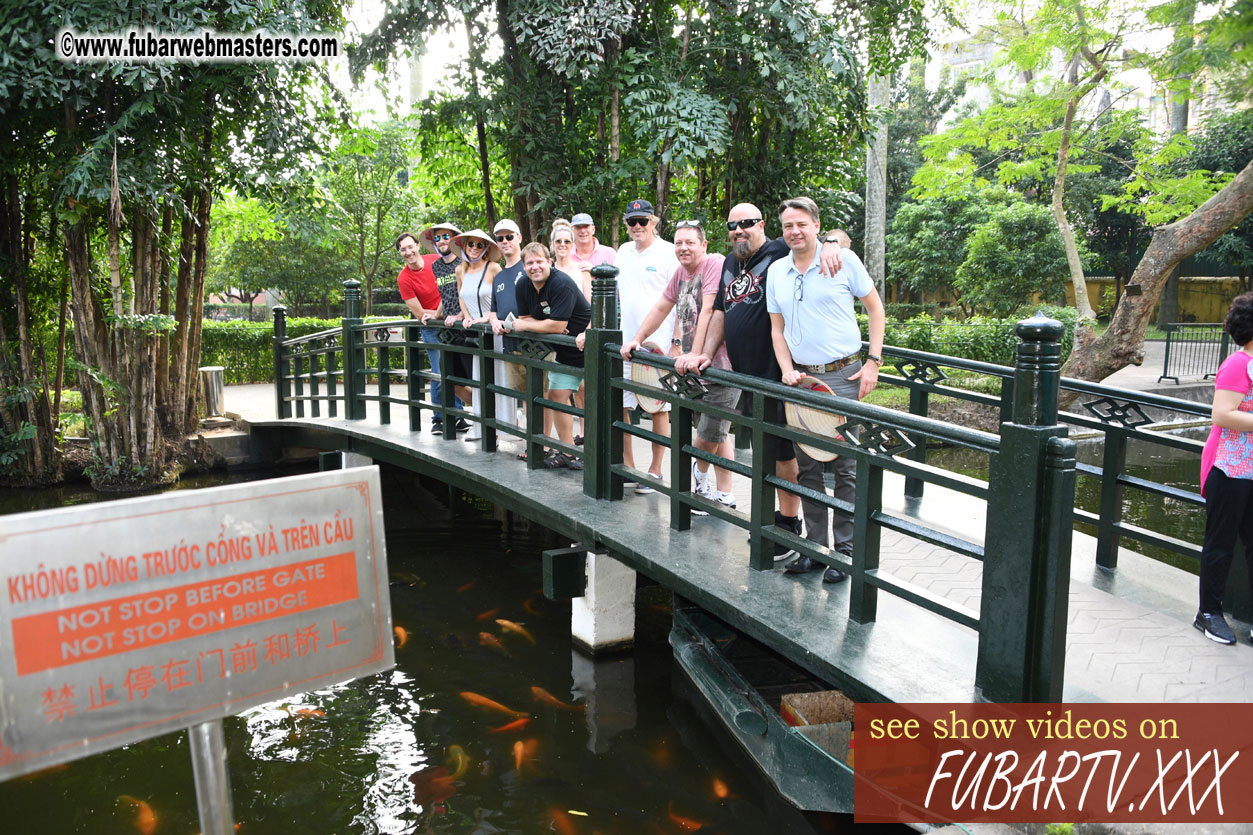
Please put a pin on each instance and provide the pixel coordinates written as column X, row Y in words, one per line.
column 437, row 389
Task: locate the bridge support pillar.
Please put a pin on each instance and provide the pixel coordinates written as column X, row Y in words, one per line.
column 608, row 688
column 603, row 619
column 342, row 459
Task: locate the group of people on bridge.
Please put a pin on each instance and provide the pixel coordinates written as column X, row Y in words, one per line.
column 779, row 309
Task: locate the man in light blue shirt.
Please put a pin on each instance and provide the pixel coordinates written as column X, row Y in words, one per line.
column 814, row 332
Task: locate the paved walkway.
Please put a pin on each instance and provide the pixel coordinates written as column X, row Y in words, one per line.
column 1129, row 634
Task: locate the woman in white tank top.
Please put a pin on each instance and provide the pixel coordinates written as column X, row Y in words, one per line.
column 475, row 273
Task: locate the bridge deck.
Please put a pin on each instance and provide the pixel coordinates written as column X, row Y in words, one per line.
column 1130, row 637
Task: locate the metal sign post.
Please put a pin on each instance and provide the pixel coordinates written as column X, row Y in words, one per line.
column 213, row 784
column 124, row 620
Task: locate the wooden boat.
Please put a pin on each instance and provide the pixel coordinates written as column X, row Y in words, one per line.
column 747, row 686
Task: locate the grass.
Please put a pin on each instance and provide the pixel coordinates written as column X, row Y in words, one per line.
column 1151, row 332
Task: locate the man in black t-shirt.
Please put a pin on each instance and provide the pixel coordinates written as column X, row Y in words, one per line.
column 740, row 316
column 551, row 302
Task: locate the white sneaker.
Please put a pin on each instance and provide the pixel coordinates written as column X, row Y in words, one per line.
column 473, row 434
column 725, row 499
column 700, row 487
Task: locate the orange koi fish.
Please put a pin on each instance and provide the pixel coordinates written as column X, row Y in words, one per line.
column 686, row 824
column 465, row 588
column 490, row 641
column 523, row 751
column 459, row 761
column 402, row 636
column 145, row 821
column 562, row 824
column 484, row 703
column 517, row 628
column 515, row 725
column 432, row 786
column 544, row 697
column 488, row 615
column 720, row 789
column 529, row 605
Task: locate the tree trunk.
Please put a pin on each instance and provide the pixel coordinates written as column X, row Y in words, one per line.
column 1122, row 344
column 615, row 154
column 195, row 316
column 1064, row 228
column 173, row 416
column 879, row 92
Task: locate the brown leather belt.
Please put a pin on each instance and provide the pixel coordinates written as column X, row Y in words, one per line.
column 830, row 366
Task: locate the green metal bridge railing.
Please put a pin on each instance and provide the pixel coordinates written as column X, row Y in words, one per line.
column 1025, row 548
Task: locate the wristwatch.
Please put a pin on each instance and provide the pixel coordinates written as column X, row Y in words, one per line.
column 678, row 342
column 831, row 239
column 875, row 358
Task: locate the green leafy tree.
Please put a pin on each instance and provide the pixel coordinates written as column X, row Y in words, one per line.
column 1013, row 257
column 130, row 159
column 366, row 188
column 1190, row 212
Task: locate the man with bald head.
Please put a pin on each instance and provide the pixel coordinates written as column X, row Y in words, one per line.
column 740, row 316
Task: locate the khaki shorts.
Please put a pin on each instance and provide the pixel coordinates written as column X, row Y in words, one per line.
column 515, row 376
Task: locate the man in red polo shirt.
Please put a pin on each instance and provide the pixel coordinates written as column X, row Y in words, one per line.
column 419, row 292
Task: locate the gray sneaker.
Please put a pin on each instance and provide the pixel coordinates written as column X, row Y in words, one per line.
column 1214, row 627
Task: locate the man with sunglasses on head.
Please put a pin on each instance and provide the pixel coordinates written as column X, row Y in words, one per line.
column 645, row 264
column 439, row 238
column 814, row 330
column 504, row 304
column 740, row 320
column 586, row 247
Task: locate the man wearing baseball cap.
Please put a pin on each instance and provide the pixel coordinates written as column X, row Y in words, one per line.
column 645, row 264
column 586, row 247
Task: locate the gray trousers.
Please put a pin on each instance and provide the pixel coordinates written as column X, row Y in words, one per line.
column 817, row 516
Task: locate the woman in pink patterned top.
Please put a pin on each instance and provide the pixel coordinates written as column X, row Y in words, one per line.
column 1227, row 473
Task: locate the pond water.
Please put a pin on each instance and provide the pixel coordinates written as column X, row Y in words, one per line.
column 1151, row 462
column 407, row 751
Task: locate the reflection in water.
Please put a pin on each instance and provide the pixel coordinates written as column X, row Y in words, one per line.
column 1151, row 462
column 604, row 745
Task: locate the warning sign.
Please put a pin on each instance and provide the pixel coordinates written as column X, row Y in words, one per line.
column 124, row 620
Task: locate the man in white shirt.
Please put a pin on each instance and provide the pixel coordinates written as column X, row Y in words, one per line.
column 689, row 297
column 645, row 264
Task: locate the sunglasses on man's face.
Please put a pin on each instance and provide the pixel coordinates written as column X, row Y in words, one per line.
column 746, row 223
column 444, row 237
column 503, row 238
column 637, row 221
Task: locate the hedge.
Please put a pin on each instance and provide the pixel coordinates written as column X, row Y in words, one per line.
column 979, row 338
column 246, row 349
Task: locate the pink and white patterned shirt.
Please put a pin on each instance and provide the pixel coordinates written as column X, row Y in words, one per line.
column 1228, row 449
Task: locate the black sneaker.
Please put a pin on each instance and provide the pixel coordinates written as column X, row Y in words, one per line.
column 437, row 427
column 792, row 524
column 1214, row 627
column 461, row 425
